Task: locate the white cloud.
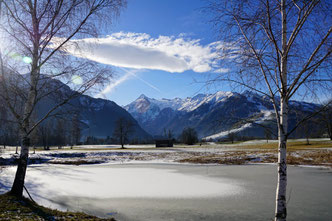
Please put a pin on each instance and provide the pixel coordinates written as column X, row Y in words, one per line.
column 221, row 70
column 141, row 51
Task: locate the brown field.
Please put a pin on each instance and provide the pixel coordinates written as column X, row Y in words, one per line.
column 318, row 153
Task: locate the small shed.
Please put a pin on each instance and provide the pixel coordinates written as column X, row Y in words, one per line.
column 164, row 143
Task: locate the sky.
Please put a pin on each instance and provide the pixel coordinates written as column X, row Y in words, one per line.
column 159, row 48
column 163, row 49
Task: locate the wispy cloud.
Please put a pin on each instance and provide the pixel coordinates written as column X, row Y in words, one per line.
column 128, row 74
column 141, row 51
column 134, row 74
column 109, row 88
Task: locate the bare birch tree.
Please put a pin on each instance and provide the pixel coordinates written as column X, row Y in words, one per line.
column 34, row 60
column 281, row 49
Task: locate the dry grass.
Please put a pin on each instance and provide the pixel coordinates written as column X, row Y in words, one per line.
column 292, row 145
column 230, row 158
column 213, row 160
column 316, row 157
column 12, row 208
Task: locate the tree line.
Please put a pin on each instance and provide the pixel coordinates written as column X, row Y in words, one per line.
column 52, row 132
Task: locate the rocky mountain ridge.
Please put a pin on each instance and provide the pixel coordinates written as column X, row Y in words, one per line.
column 213, row 116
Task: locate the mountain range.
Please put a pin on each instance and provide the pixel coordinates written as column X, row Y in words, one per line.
column 213, row 116
column 97, row 117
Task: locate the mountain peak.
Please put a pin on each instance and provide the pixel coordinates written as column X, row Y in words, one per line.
column 199, row 96
column 142, row 96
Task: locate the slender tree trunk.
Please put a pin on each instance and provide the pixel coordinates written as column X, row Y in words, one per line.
column 17, row 188
column 281, row 207
column 18, row 185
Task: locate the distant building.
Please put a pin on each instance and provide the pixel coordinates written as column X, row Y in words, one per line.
column 164, row 143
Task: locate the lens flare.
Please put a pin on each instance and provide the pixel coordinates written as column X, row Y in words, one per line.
column 18, row 57
column 76, row 79
column 27, row 60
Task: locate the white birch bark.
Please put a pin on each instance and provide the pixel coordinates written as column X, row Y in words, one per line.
column 281, row 211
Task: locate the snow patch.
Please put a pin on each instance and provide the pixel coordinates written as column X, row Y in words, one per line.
column 267, row 114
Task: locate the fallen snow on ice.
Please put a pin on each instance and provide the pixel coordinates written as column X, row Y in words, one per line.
column 105, row 181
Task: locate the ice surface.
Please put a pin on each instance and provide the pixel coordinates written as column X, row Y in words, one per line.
column 104, row 181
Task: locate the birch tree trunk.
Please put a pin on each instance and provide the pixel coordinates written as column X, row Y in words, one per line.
column 281, row 211
column 17, row 188
column 18, row 185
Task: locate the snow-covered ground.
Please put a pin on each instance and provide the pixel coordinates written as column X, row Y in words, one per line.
column 96, row 154
column 210, row 153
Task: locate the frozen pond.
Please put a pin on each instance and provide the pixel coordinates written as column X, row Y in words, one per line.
column 178, row 192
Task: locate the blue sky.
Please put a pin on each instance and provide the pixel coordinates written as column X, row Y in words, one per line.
column 170, row 18
column 163, row 49
column 160, row 48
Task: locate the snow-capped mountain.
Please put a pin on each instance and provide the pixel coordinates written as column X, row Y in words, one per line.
column 213, row 116
column 147, row 109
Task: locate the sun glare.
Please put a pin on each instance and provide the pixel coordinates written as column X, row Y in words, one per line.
column 26, row 60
